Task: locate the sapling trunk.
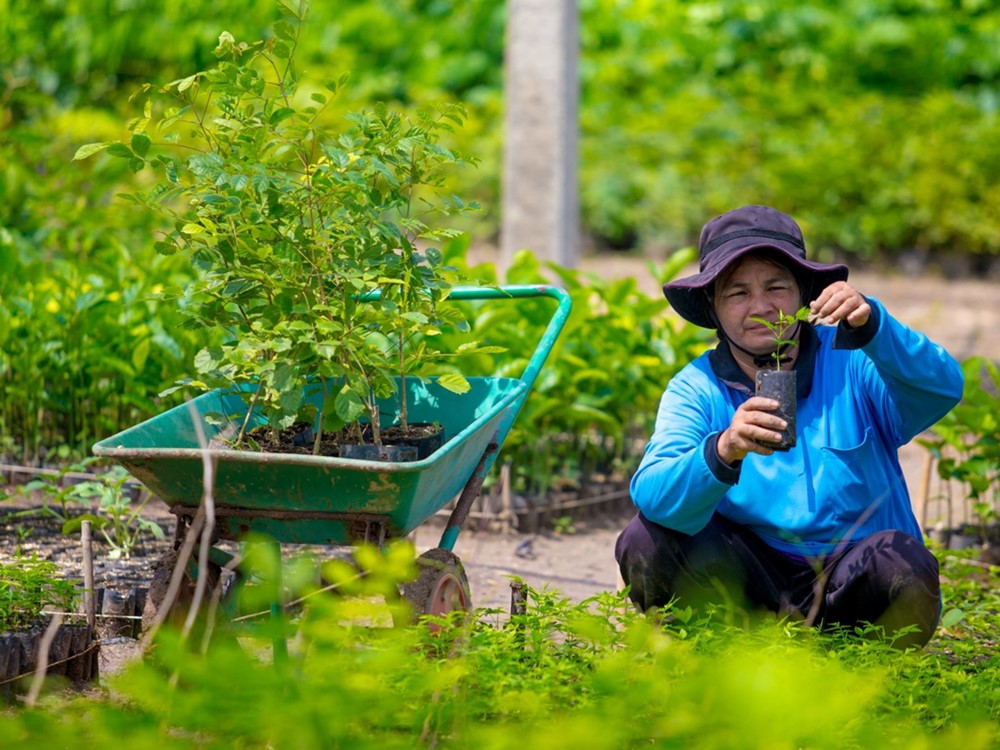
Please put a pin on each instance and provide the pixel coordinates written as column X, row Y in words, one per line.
column 246, row 418
column 402, row 386
column 373, row 409
column 322, row 410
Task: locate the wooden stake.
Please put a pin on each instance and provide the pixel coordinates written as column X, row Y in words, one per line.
column 89, row 601
column 507, row 511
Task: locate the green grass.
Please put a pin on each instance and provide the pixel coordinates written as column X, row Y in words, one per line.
column 594, row 674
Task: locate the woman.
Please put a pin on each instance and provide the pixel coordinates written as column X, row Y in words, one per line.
column 824, row 530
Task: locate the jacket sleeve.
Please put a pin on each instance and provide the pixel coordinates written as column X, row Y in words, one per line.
column 911, row 381
column 680, row 480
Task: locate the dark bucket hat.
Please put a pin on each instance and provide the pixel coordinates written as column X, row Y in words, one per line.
column 732, row 235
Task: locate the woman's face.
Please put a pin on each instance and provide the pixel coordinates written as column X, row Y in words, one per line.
column 755, row 288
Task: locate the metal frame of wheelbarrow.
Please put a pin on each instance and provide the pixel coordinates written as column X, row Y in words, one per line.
column 528, row 377
column 357, row 526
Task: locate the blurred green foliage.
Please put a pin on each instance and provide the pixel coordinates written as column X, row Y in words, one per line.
column 873, row 122
column 563, row 674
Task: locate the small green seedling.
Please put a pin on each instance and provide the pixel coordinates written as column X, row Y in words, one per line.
column 780, row 328
column 118, row 519
column 54, row 489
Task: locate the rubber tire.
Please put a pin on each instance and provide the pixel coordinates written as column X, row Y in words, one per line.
column 162, row 570
column 441, row 586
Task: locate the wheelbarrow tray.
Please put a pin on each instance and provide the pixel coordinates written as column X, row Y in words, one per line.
column 316, row 499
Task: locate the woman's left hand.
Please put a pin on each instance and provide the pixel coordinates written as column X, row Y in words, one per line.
column 840, row 301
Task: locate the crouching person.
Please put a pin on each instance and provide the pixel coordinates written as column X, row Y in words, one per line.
column 823, row 530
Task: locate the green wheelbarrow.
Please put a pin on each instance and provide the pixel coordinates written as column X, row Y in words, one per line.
column 318, row 500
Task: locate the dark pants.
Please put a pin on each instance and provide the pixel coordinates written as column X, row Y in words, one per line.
column 888, row 579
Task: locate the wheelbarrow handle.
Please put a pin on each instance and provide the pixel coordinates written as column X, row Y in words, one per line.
column 538, row 357
column 545, row 344
column 523, row 291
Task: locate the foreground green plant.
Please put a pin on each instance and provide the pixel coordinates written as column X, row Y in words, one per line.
column 561, row 675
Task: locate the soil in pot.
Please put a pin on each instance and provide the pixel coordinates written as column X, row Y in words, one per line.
column 298, row 438
column 781, row 386
column 417, row 442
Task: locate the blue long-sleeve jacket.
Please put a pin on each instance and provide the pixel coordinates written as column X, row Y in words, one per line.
column 862, row 393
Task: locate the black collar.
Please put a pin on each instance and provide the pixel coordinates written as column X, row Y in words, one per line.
column 728, row 371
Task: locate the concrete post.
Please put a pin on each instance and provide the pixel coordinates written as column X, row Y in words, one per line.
column 540, row 197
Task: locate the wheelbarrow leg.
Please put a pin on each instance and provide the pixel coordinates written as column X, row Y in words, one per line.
column 469, row 493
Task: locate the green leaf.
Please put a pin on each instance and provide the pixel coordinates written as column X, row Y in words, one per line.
column 284, row 30
column 952, row 617
column 140, row 144
column 165, row 248
column 296, row 7
column 185, row 83
column 140, row 354
column 208, row 359
column 348, row 405
column 454, row 382
column 284, row 377
column 74, row 524
column 290, row 401
column 90, row 149
column 281, row 114
column 120, row 150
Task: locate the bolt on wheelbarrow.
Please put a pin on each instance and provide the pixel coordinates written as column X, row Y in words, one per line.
column 335, row 501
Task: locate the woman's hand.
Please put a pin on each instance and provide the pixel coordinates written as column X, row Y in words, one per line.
column 840, row 301
column 753, row 421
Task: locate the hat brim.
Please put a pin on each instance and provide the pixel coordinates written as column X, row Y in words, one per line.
column 689, row 296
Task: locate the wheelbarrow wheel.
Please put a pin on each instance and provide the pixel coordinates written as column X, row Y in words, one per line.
column 441, row 586
column 162, row 572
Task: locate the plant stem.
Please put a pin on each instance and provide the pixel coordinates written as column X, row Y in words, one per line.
column 402, row 385
column 322, row 409
column 250, row 408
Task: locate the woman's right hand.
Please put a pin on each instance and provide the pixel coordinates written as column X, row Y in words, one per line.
column 753, row 421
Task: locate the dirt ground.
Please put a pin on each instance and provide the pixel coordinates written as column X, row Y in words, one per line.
column 578, row 564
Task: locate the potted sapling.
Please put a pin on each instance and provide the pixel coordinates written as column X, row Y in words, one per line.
column 299, row 234
column 776, row 383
